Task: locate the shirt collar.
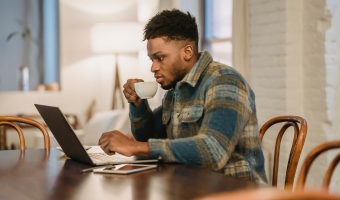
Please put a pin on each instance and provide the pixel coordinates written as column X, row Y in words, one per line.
column 192, row 77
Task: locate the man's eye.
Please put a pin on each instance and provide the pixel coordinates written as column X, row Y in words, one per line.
column 160, row 58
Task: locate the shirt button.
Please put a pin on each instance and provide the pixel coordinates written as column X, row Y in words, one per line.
column 177, row 114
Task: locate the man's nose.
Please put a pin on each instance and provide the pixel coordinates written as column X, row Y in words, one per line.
column 154, row 67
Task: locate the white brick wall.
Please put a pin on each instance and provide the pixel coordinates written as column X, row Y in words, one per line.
column 294, row 61
column 314, row 82
column 268, row 65
column 332, row 60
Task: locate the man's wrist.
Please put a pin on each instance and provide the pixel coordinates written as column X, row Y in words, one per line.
column 137, row 113
column 138, row 104
column 141, row 149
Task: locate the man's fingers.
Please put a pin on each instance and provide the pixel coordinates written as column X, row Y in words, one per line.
column 131, row 92
column 127, row 96
column 103, row 147
column 129, row 83
column 107, row 150
column 111, row 149
column 105, row 136
column 105, row 142
column 130, row 98
column 132, row 83
column 102, row 139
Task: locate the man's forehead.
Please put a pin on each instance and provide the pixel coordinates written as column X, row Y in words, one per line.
column 154, row 53
column 157, row 45
column 161, row 45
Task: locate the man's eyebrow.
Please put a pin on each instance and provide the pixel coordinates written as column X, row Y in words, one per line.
column 155, row 53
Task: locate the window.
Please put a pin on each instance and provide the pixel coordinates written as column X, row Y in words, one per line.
column 29, row 56
column 218, row 30
column 51, row 42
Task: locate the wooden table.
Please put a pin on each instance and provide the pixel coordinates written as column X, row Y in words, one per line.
column 36, row 174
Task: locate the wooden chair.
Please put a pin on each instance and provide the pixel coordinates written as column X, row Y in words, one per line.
column 329, row 173
column 8, row 120
column 297, row 145
column 271, row 194
column 300, row 185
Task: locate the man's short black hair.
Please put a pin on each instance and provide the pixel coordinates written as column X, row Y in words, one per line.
column 173, row 25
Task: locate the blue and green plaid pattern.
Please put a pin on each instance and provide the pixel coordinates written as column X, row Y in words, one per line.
column 208, row 120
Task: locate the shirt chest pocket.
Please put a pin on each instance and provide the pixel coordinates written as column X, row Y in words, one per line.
column 191, row 114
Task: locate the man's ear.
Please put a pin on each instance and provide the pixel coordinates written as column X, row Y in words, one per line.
column 188, row 52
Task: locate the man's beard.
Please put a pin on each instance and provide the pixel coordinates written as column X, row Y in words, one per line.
column 178, row 73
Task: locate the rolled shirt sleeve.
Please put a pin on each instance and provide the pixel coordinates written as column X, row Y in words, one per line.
column 145, row 123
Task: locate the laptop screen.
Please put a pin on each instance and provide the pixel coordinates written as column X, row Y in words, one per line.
column 63, row 133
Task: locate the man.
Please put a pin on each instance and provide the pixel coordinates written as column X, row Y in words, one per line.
column 207, row 117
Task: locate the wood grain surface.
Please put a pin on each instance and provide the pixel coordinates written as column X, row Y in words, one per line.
column 44, row 174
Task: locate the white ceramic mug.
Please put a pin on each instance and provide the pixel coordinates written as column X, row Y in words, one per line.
column 146, row 90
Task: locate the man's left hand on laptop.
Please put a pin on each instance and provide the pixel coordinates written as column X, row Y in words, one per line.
column 115, row 141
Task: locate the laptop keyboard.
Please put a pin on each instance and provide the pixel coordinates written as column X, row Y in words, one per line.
column 104, row 158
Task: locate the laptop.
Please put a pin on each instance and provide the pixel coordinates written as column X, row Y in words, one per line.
column 71, row 145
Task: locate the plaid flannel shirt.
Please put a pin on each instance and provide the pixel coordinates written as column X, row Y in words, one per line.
column 208, row 120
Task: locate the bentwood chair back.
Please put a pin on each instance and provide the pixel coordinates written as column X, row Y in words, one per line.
column 297, row 145
column 300, row 185
column 8, row 120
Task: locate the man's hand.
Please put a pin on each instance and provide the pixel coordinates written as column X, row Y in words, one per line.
column 130, row 93
column 116, row 141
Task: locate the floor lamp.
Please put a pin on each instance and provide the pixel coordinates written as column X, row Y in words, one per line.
column 117, row 89
column 117, row 38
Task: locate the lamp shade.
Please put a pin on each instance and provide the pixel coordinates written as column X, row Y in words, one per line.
column 118, row 37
